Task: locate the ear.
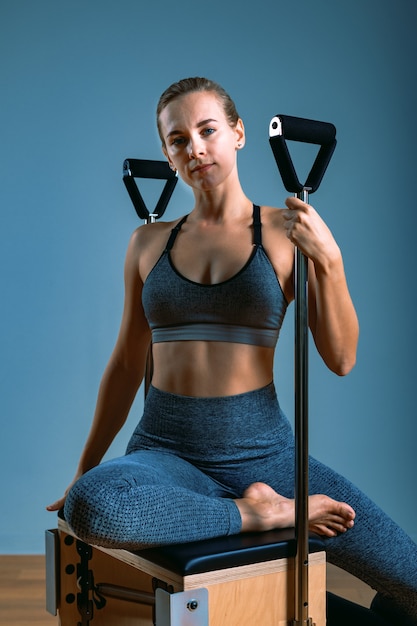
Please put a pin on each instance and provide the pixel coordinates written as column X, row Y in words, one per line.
column 170, row 163
column 240, row 134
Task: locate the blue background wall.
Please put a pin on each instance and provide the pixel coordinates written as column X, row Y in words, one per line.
column 79, row 85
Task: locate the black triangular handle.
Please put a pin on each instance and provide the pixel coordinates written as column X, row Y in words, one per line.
column 145, row 168
column 283, row 127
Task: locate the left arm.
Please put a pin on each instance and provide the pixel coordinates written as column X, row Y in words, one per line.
column 332, row 317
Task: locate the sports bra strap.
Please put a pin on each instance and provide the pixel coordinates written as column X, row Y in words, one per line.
column 257, row 229
column 257, row 226
column 174, row 233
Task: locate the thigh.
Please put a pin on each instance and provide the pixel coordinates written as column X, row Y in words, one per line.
column 149, row 498
column 156, row 467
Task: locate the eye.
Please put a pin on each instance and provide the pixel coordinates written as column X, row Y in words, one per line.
column 177, row 141
column 208, row 131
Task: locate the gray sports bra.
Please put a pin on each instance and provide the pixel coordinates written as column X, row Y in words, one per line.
column 247, row 308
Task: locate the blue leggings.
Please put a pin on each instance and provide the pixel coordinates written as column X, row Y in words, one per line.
column 189, row 458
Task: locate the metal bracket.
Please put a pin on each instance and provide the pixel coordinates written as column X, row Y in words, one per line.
column 85, row 577
column 88, row 596
column 185, row 608
column 52, row 570
column 85, row 581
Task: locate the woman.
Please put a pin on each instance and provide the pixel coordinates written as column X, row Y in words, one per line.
column 213, row 453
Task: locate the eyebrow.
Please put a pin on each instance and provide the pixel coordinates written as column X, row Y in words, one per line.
column 199, row 125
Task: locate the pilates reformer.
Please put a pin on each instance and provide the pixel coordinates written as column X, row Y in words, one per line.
column 273, row 578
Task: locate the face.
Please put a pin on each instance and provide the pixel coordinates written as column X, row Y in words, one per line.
column 199, row 141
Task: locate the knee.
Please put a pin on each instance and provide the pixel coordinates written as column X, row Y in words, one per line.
column 95, row 506
column 87, row 509
column 78, row 508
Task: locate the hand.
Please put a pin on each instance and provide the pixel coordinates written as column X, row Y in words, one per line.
column 59, row 504
column 306, row 230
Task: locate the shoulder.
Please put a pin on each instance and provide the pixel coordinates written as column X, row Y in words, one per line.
column 149, row 234
column 147, row 244
column 272, row 216
column 273, row 225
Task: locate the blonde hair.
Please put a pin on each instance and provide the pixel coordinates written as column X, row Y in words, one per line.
column 190, row 85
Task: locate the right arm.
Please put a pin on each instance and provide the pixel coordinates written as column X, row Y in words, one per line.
column 123, row 374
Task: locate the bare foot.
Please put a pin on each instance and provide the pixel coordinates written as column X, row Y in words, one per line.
column 262, row 508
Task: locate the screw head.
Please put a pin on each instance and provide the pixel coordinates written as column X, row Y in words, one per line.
column 192, row 605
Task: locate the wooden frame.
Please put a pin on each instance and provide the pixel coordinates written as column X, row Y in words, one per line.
column 259, row 593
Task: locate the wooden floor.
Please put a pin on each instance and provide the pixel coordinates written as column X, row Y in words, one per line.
column 22, row 590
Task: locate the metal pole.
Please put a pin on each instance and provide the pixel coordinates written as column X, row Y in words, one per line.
column 324, row 135
column 151, row 219
column 301, row 433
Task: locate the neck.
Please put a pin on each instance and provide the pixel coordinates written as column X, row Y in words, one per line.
column 217, row 207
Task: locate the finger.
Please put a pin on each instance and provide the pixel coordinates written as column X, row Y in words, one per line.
column 290, row 201
column 288, row 216
column 295, row 203
column 56, row 506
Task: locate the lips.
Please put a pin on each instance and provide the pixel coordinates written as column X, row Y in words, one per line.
column 202, row 167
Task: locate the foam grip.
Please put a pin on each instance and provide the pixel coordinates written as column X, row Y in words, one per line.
column 145, row 168
column 301, row 129
column 283, row 127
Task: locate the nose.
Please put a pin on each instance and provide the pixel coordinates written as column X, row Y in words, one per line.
column 195, row 147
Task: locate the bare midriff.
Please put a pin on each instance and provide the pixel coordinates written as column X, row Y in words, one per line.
column 211, row 368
